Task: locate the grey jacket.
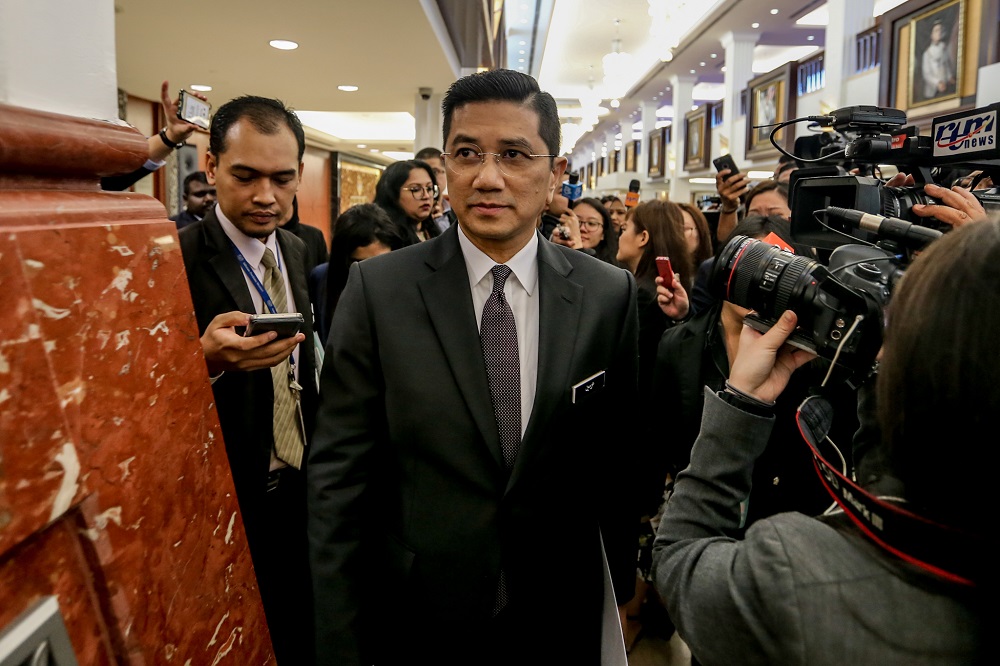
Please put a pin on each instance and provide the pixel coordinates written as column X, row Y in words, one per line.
column 796, row 590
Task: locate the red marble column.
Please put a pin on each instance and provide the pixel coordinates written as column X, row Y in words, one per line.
column 115, row 492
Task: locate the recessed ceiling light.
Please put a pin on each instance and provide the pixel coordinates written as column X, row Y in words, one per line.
column 615, row 104
column 348, row 88
column 200, row 88
column 522, row 43
column 694, row 107
column 521, row 52
column 374, row 150
column 774, row 11
column 693, row 71
column 362, row 145
column 755, row 25
column 722, row 69
column 714, row 55
column 701, row 64
column 811, row 37
column 667, row 88
column 283, row 44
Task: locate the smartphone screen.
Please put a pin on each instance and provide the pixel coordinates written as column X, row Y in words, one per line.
column 666, row 271
column 193, row 110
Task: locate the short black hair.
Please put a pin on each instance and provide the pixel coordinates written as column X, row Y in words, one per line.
column 424, row 153
column 505, row 85
column 194, row 176
column 264, row 113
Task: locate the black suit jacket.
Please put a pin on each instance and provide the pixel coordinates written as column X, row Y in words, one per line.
column 411, row 512
column 244, row 399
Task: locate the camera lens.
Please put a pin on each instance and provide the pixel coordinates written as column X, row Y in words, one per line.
column 764, row 278
column 897, row 202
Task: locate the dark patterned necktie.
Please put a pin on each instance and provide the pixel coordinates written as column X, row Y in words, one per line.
column 288, row 442
column 498, row 333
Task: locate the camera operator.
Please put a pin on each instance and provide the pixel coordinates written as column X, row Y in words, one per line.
column 835, row 590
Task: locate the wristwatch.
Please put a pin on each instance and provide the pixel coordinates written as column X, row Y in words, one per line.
column 167, row 141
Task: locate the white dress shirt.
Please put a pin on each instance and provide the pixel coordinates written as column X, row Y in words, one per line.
column 522, row 295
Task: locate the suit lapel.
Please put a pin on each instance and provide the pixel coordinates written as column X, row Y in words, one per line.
column 224, row 263
column 449, row 305
column 559, row 307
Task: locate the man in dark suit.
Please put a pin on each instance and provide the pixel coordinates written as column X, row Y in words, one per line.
column 470, row 448
column 199, row 198
column 238, row 262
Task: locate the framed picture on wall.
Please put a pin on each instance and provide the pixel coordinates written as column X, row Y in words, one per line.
column 600, row 167
column 657, row 148
column 613, row 160
column 630, row 152
column 592, row 175
column 937, row 37
column 697, row 138
column 772, row 100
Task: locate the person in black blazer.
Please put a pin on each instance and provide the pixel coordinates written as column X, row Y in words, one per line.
column 255, row 163
column 428, row 544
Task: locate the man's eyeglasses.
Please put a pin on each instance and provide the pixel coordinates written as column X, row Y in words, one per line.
column 420, row 192
column 511, row 161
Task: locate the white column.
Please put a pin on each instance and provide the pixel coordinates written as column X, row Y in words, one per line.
column 59, row 56
column 427, row 122
column 682, row 89
column 648, row 113
column 738, row 48
column 847, row 19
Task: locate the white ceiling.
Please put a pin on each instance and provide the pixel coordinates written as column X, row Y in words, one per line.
column 390, row 49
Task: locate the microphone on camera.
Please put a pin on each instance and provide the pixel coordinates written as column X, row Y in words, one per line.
column 632, row 198
column 891, row 228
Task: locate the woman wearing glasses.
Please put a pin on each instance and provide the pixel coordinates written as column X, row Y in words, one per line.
column 406, row 191
column 596, row 232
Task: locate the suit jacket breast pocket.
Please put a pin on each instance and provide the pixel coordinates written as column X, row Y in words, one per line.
column 588, row 390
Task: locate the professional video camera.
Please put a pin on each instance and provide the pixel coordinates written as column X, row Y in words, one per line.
column 857, row 223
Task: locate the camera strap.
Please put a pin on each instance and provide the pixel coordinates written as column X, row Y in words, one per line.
column 944, row 551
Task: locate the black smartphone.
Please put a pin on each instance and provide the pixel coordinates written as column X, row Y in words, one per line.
column 193, row 110
column 286, row 324
column 726, row 162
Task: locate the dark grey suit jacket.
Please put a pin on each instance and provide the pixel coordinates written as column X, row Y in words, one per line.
column 411, row 512
column 244, row 399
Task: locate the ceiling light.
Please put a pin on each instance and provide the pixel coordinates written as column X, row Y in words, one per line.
column 773, row 12
column 722, row 69
column 701, row 181
column 693, row 71
column 374, row 150
column 283, row 44
column 200, row 88
column 755, row 25
column 617, row 67
column 520, row 59
column 521, row 52
column 713, row 55
column 694, row 107
column 348, row 88
column 701, row 64
column 521, row 43
column 615, row 104
column 362, row 145
column 811, row 37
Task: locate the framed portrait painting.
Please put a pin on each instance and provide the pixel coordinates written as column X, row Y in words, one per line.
column 697, row 139
column 614, row 158
column 772, row 101
column 657, row 148
column 592, row 176
column 937, row 36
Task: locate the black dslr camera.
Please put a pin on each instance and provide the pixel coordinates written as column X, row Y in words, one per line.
column 862, row 229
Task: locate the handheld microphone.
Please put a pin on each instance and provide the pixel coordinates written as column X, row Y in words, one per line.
column 891, row 228
column 573, row 188
column 632, row 198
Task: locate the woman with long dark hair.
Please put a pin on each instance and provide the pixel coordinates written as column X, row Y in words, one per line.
column 407, row 192
column 361, row 232
column 596, row 231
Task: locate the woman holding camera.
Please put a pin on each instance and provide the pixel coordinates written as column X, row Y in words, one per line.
column 847, row 588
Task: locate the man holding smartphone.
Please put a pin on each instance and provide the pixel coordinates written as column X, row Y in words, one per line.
column 238, row 263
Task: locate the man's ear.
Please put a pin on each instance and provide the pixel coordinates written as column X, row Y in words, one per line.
column 555, row 176
column 210, row 167
column 299, row 183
